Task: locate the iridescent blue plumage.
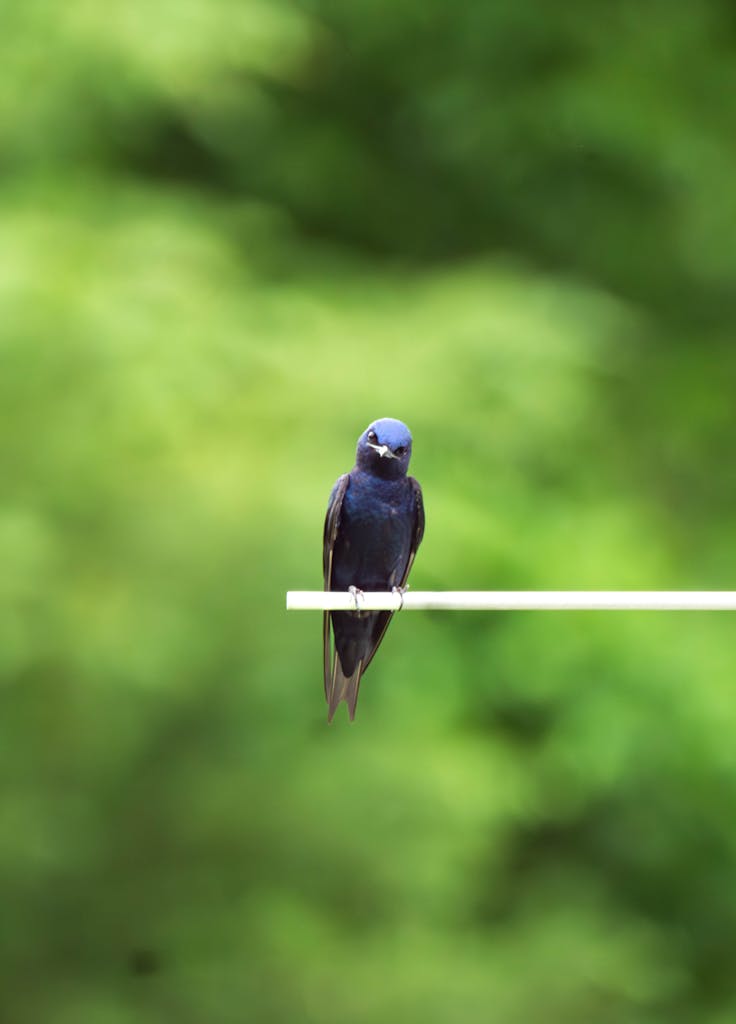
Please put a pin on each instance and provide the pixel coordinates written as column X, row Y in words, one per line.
column 374, row 525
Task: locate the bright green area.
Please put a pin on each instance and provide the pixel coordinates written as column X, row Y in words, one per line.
column 231, row 234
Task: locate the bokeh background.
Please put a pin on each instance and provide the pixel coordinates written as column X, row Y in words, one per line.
column 231, row 234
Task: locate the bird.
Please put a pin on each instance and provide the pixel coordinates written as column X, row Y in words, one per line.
column 373, row 528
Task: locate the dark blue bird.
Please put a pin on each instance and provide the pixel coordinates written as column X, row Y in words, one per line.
column 374, row 525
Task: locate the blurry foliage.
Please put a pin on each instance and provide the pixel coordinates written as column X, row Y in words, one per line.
column 230, row 235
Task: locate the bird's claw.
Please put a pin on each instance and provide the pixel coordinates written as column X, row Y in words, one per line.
column 357, row 596
column 400, row 591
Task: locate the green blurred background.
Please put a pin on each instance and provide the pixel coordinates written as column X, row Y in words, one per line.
column 231, row 234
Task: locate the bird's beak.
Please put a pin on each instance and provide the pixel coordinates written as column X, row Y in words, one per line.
column 383, row 450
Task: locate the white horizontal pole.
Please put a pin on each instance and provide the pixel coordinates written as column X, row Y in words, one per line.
column 530, row 600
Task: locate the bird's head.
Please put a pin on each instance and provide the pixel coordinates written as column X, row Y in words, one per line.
column 384, row 448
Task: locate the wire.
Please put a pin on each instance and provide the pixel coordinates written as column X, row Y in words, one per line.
column 508, row 600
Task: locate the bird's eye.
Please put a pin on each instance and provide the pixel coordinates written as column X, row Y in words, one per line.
column 401, row 450
column 372, row 436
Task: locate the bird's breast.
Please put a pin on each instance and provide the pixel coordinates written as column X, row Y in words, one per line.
column 374, row 540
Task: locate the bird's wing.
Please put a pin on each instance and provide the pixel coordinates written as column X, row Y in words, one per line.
column 385, row 617
column 332, row 525
column 418, row 527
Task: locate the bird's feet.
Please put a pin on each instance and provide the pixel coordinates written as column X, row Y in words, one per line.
column 357, row 597
column 400, row 591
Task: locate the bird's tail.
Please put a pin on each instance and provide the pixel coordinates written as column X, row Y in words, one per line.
column 343, row 687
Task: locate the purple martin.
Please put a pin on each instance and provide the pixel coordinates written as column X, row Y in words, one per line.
column 373, row 527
